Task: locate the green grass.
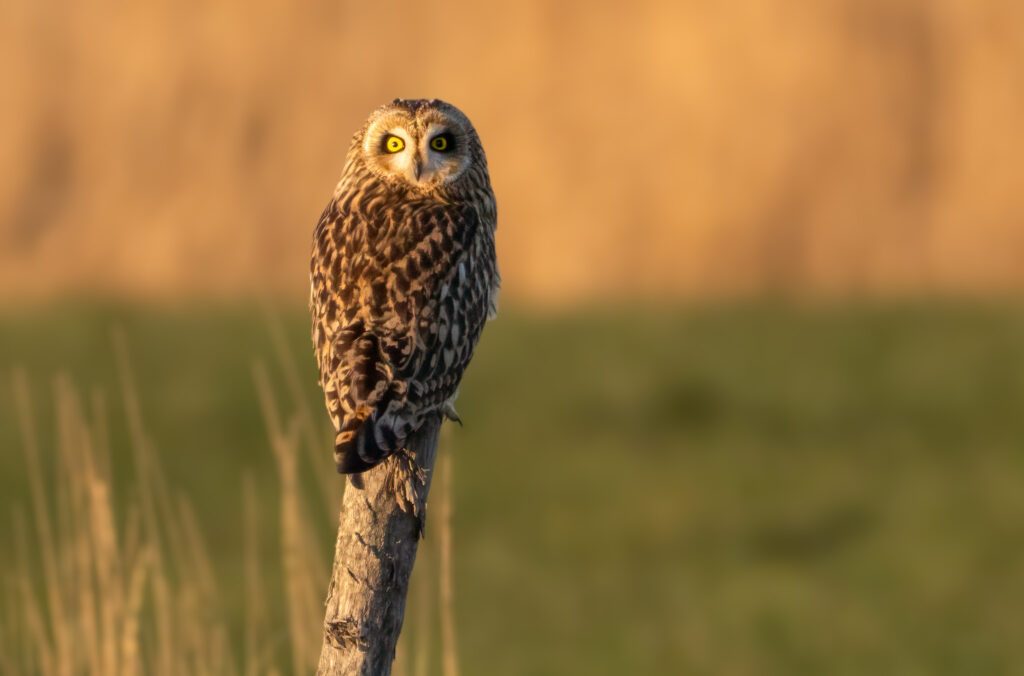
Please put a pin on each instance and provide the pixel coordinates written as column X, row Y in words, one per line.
column 746, row 489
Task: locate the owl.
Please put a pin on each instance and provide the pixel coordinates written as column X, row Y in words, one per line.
column 403, row 276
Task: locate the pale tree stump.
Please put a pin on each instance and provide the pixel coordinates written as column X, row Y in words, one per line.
column 373, row 559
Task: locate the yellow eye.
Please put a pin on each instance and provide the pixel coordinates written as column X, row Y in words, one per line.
column 393, row 144
column 439, row 143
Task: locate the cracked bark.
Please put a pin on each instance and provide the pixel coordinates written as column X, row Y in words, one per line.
column 373, row 559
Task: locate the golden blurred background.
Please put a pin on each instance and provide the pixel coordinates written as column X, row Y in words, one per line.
column 718, row 479
column 183, row 149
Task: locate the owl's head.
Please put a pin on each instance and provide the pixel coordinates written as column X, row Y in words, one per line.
column 427, row 144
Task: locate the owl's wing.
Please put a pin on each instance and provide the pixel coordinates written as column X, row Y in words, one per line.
column 352, row 375
column 399, row 318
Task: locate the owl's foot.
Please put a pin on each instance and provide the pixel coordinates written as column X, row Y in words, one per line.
column 407, row 477
column 449, row 412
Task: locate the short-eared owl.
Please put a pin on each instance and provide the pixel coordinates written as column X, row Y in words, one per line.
column 403, row 276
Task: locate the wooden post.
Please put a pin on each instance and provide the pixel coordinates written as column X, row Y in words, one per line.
column 373, row 559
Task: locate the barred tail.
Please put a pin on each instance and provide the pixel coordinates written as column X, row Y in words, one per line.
column 356, row 451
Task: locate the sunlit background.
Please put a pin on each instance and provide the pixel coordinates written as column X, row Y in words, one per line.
column 753, row 404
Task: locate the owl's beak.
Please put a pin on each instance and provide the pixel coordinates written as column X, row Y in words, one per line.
column 417, row 167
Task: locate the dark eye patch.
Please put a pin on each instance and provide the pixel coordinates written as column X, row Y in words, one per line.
column 443, row 143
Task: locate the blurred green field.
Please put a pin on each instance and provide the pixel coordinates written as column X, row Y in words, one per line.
column 721, row 490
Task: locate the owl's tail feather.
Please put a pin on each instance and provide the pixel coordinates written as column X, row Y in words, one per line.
column 358, row 452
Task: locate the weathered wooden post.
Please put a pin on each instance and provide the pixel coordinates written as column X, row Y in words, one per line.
column 373, row 559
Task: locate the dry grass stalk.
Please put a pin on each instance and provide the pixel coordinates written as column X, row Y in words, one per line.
column 39, row 649
column 131, row 659
column 94, row 618
column 255, row 641
column 47, row 541
column 424, row 624
column 85, row 588
column 300, row 585
column 448, row 643
column 96, row 592
column 316, row 438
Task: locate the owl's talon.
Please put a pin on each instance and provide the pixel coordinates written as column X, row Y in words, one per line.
column 449, row 412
